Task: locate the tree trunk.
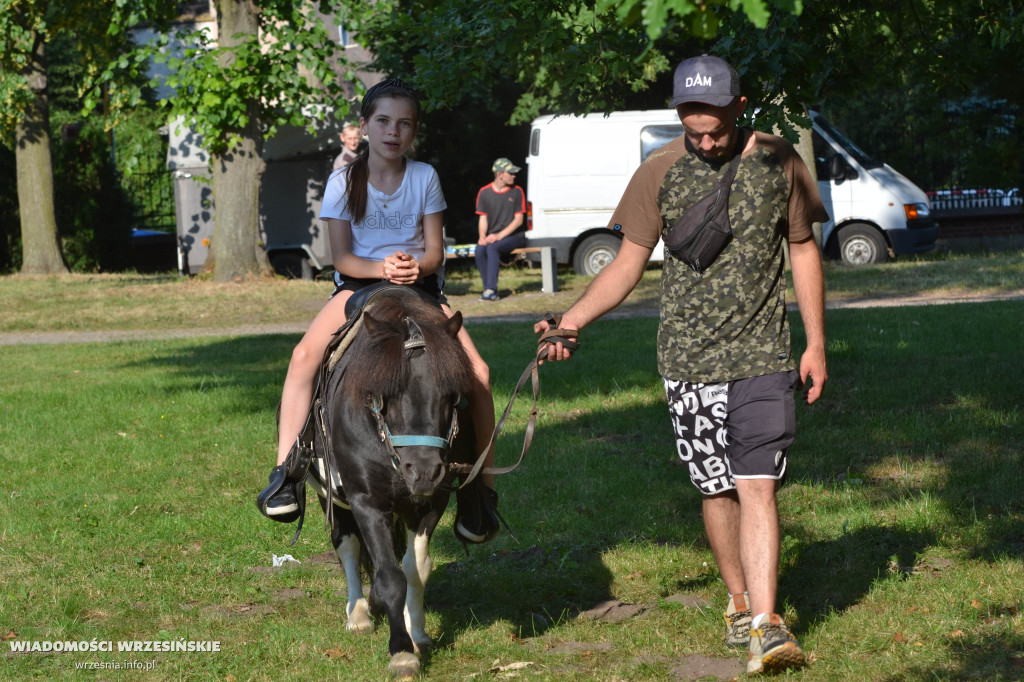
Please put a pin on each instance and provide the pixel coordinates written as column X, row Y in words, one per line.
column 236, row 250
column 39, row 242
column 805, row 147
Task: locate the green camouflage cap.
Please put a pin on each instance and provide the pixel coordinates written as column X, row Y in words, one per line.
column 503, row 165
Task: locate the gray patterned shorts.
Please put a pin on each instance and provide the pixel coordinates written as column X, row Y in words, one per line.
column 737, row 429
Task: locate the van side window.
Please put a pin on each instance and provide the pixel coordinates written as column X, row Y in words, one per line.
column 858, row 154
column 653, row 137
column 822, row 153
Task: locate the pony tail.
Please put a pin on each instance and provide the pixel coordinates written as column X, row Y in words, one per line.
column 357, row 176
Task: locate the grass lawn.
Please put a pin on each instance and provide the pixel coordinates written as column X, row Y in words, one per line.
column 156, row 302
column 127, row 512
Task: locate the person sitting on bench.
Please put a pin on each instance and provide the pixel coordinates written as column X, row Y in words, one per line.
column 501, row 205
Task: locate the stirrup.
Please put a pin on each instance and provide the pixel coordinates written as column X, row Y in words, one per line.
column 279, row 489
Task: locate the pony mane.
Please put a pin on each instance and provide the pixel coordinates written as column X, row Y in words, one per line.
column 377, row 358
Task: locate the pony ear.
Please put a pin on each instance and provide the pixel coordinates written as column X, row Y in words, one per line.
column 454, row 324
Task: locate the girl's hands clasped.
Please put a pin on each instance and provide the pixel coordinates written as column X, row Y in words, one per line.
column 401, row 268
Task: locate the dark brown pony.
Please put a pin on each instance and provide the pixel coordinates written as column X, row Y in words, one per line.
column 391, row 407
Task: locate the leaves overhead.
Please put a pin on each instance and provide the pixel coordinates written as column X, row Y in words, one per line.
column 288, row 72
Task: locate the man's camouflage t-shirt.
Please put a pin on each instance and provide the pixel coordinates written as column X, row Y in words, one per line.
column 729, row 322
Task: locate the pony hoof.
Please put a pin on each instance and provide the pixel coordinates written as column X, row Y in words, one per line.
column 359, row 627
column 404, row 666
column 422, row 646
column 359, row 619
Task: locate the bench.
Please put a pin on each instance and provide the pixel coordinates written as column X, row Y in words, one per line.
column 549, row 267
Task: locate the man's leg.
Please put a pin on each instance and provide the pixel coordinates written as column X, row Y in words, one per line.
column 698, row 420
column 493, row 265
column 759, row 541
column 480, row 258
column 496, row 253
column 761, row 427
column 722, row 525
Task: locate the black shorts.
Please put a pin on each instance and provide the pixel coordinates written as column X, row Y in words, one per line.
column 738, row 429
column 431, row 284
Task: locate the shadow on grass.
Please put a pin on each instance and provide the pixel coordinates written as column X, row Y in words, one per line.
column 991, row 657
column 833, row 575
column 532, row 589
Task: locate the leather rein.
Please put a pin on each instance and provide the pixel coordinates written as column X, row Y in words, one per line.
column 549, row 338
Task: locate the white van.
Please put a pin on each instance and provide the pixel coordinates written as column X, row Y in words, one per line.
column 874, row 209
column 579, row 167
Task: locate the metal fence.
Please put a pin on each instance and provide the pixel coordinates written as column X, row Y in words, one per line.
column 152, row 199
column 975, row 199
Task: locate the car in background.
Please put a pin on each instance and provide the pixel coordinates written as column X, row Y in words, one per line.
column 154, row 251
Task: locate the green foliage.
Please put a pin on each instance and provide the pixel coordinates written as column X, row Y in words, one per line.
column 93, row 213
column 926, row 86
column 17, row 26
column 565, row 57
column 89, row 28
column 290, row 73
column 940, row 102
column 699, row 18
column 562, row 56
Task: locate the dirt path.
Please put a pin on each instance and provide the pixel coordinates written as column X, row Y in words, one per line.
column 58, row 337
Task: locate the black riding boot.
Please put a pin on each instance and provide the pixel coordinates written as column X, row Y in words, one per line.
column 476, row 513
column 280, row 499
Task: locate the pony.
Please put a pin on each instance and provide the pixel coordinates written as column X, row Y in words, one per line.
column 387, row 441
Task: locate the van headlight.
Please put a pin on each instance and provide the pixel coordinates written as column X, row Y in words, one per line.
column 916, row 211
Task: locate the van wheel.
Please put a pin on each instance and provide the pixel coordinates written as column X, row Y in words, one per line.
column 595, row 253
column 862, row 245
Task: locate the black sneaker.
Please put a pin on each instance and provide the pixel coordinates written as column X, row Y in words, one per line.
column 277, row 501
column 476, row 513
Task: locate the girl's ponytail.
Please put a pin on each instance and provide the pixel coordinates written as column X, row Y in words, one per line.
column 357, row 177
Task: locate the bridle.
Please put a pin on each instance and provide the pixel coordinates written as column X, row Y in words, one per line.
column 376, row 404
column 466, row 471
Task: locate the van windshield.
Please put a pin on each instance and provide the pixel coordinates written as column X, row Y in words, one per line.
column 653, row 137
column 853, row 150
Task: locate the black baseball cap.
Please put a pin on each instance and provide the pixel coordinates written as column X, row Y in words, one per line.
column 705, row 79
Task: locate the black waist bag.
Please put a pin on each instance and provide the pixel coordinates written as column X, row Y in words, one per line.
column 703, row 231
